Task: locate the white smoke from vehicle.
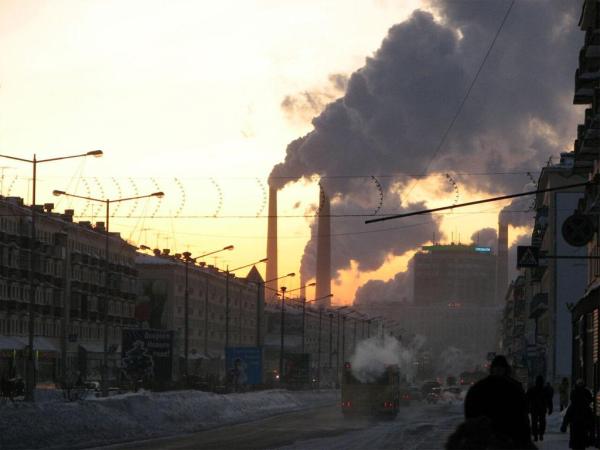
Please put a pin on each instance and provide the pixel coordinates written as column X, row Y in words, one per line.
column 373, row 355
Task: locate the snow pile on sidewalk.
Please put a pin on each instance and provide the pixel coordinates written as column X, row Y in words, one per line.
column 143, row 415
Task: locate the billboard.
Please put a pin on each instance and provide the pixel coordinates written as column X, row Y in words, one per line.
column 296, row 368
column 244, row 365
column 148, row 353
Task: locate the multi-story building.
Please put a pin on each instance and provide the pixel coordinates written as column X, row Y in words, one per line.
column 463, row 274
column 223, row 310
column 328, row 336
column 70, row 292
column 585, row 312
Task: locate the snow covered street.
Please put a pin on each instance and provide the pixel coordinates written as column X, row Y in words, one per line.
column 418, row 427
column 131, row 417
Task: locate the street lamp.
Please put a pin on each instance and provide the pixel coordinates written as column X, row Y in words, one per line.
column 304, row 302
column 258, row 286
column 227, row 272
column 30, row 378
column 107, row 202
column 282, row 327
column 337, row 345
column 187, row 259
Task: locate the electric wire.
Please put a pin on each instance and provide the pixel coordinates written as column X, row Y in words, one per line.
column 464, row 100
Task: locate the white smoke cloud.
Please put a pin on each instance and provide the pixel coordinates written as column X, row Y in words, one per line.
column 397, row 106
column 373, row 355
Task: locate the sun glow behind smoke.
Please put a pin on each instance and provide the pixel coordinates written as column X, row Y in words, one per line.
column 373, row 355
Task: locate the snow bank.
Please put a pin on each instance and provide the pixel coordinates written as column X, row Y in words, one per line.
column 141, row 416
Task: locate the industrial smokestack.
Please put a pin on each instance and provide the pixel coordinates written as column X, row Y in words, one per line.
column 323, row 287
column 272, row 245
column 502, row 260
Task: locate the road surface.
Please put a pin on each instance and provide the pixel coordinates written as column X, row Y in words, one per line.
column 418, row 427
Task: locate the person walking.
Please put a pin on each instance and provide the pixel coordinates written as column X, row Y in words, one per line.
column 563, row 393
column 502, row 400
column 539, row 402
column 579, row 418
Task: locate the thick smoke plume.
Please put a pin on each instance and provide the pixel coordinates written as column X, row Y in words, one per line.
column 373, row 355
column 397, row 106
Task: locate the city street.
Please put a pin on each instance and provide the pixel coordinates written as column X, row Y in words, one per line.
column 418, row 427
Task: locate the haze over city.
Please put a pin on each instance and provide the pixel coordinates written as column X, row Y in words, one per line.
column 299, row 224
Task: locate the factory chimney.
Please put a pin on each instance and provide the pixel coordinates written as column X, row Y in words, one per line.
column 272, row 246
column 502, row 261
column 323, row 280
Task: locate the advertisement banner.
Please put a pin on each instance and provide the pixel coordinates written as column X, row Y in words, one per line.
column 148, row 353
column 296, row 368
column 244, row 365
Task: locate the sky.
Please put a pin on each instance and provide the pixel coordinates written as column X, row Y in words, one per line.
column 202, row 99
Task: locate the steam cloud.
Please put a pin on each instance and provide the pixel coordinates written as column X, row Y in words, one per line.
column 373, row 355
column 397, row 106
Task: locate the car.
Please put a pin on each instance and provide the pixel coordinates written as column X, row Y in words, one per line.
column 434, row 395
column 429, row 386
column 452, row 393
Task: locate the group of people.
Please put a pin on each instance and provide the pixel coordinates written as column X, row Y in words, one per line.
column 11, row 387
column 499, row 414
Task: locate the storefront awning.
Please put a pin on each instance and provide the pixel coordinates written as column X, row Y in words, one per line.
column 11, row 343
column 20, row 342
column 92, row 347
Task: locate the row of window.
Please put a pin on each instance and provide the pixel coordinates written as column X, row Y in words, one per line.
column 19, row 292
column 19, row 326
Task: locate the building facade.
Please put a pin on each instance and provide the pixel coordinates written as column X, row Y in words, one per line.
column 462, row 274
column 223, row 310
column 70, row 292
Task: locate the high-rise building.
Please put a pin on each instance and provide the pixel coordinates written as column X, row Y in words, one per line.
column 456, row 273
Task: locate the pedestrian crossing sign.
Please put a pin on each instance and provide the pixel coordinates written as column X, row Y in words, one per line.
column 528, row 256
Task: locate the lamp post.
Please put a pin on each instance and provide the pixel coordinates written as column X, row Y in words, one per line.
column 337, row 345
column 227, row 272
column 30, row 376
column 258, row 286
column 304, row 302
column 282, row 326
column 187, row 259
column 107, row 202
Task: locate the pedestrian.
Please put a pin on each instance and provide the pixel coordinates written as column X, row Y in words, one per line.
column 579, row 418
column 502, row 400
column 539, row 404
column 563, row 393
column 549, row 390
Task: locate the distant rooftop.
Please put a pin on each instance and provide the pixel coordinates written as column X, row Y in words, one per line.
column 446, row 248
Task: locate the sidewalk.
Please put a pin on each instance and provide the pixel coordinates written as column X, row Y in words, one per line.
column 554, row 441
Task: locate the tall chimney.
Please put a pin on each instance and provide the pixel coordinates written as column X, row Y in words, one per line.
column 502, row 261
column 323, row 287
column 272, row 245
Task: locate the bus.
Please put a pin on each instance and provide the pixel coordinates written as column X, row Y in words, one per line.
column 380, row 398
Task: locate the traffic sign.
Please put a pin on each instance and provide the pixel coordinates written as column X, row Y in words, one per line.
column 578, row 230
column 528, row 256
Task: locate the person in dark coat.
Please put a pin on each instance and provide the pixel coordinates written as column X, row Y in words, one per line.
column 579, row 417
column 539, row 401
column 563, row 393
column 502, row 400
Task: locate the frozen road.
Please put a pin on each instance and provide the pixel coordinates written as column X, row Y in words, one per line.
column 417, row 427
